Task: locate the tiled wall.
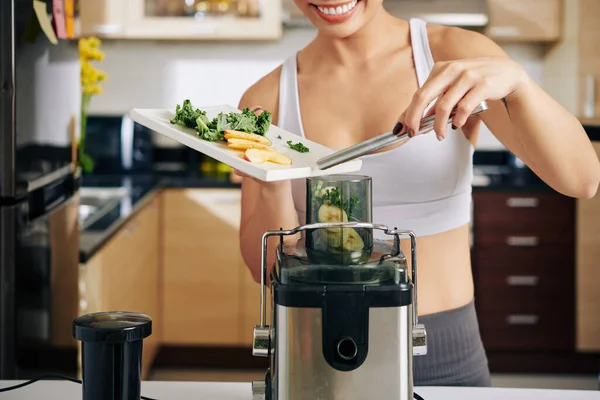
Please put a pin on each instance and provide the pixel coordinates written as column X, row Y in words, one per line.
column 162, row 74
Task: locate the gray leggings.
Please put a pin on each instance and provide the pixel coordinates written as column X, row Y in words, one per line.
column 455, row 353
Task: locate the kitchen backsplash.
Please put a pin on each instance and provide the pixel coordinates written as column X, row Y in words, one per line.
column 162, row 74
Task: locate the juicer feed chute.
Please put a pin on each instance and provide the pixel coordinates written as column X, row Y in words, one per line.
column 344, row 320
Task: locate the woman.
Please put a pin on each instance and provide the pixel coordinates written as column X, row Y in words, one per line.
column 363, row 74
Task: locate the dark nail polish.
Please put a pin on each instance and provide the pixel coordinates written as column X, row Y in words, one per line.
column 410, row 132
column 454, row 127
column 398, row 128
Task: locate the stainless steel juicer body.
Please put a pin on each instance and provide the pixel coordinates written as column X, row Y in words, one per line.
column 334, row 340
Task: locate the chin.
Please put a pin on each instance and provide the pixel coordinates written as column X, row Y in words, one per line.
column 337, row 18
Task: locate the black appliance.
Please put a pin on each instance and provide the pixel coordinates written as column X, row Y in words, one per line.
column 118, row 145
column 39, row 250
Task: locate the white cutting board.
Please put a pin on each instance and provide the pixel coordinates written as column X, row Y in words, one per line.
column 304, row 165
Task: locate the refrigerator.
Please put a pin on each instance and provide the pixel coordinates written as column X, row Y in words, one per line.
column 39, row 239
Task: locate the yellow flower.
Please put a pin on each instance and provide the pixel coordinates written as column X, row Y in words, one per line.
column 89, row 50
column 92, row 89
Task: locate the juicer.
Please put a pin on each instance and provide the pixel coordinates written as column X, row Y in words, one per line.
column 343, row 309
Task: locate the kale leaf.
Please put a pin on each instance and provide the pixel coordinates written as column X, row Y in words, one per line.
column 186, row 115
column 333, row 197
column 214, row 130
column 263, row 122
column 298, row 147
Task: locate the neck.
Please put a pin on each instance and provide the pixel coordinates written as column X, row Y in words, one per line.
column 363, row 45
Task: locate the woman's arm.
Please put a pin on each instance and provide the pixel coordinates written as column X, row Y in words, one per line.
column 265, row 206
column 471, row 68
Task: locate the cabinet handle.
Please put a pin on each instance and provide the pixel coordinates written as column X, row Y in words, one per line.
column 522, row 319
column 227, row 200
column 522, row 202
column 515, row 280
column 505, row 31
column 589, row 107
column 522, row 241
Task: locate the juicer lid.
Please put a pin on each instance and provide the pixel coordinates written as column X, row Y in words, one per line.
column 382, row 262
column 112, row 327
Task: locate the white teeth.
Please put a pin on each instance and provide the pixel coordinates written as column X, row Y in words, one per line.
column 339, row 10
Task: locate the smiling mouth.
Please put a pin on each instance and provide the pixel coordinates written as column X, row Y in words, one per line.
column 336, row 10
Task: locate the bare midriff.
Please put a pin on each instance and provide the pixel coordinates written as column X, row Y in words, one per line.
column 444, row 274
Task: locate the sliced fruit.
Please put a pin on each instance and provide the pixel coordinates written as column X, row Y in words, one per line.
column 242, row 144
column 230, row 134
column 259, row 156
column 328, row 213
column 334, row 238
column 325, row 189
column 344, row 240
column 352, row 240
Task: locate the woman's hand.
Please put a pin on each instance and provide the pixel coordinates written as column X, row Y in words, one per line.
column 462, row 84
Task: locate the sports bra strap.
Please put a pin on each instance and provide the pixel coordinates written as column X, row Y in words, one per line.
column 421, row 50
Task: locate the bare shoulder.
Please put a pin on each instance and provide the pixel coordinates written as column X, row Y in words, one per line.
column 264, row 93
column 451, row 43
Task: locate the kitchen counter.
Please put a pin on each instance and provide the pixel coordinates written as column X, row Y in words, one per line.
column 51, row 390
column 142, row 188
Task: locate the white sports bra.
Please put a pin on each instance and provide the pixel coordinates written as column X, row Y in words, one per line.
column 424, row 185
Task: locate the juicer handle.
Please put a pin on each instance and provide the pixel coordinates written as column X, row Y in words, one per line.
column 395, row 232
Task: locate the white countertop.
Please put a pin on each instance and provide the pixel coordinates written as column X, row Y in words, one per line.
column 51, row 390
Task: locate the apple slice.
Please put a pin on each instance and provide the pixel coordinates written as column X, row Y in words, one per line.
column 259, row 156
column 230, row 134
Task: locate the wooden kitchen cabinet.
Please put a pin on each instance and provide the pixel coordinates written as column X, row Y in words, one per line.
column 589, row 60
column 124, row 276
column 588, row 272
column 525, row 20
column 572, row 66
column 202, row 267
column 181, row 20
column 523, row 258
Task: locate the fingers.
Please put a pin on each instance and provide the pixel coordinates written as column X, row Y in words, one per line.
column 449, row 100
column 466, row 106
column 240, row 174
column 441, row 77
column 257, row 110
column 400, row 128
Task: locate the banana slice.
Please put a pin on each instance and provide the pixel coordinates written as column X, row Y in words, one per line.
column 334, row 239
column 325, row 189
column 344, row 240
column 352, row 240
column 328, row 213
column 242, row 144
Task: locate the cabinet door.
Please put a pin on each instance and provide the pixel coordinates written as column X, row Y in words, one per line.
column 588, row 273
column 182, row 20
column 103, row 18
column 123, row 276
column 202, row 260
column 589, row 59
column 524, row 255
column 525, row 20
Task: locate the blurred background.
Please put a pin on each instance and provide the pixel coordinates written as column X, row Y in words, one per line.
column 148, row 225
